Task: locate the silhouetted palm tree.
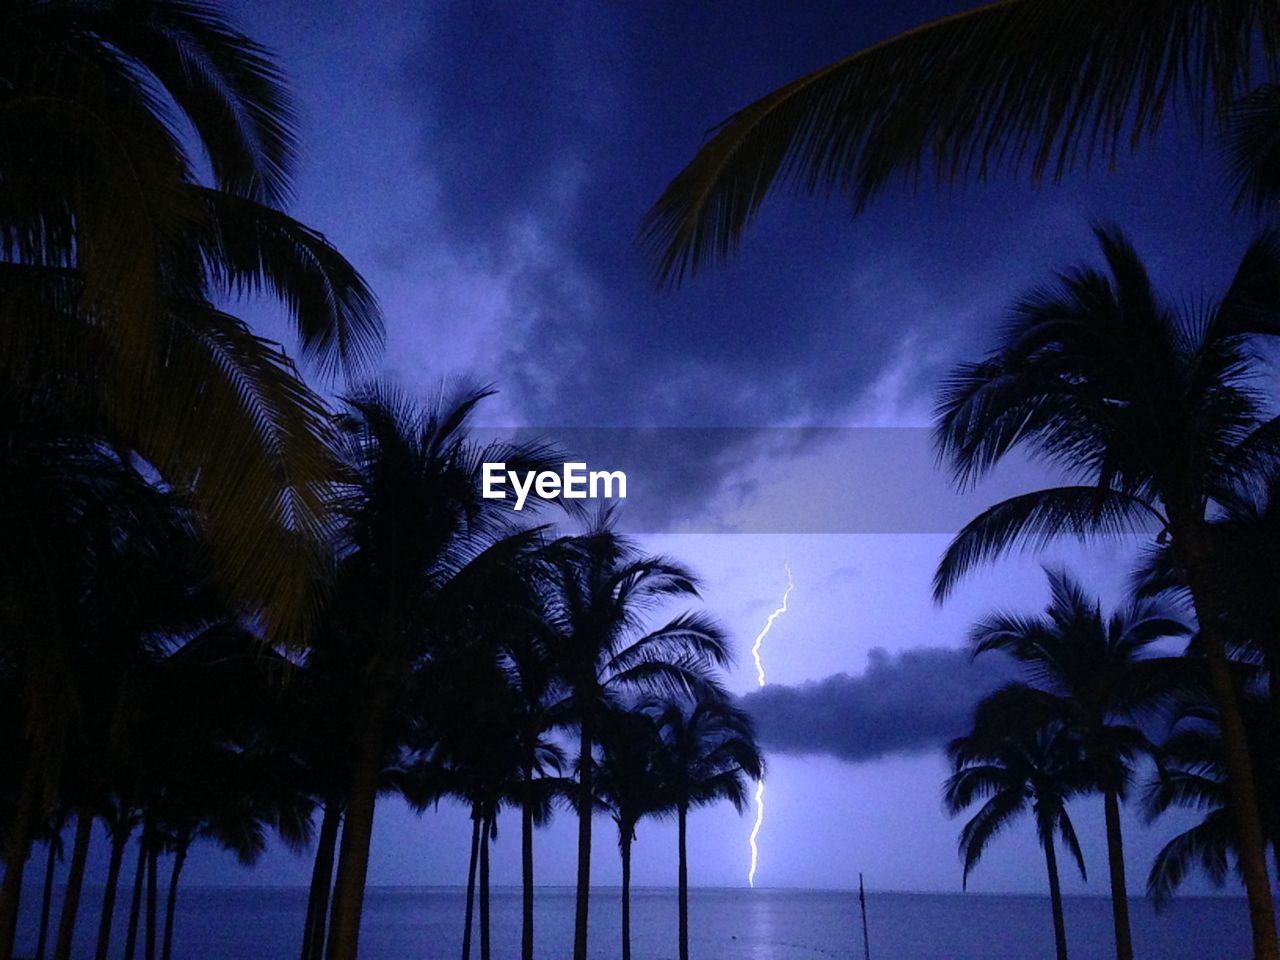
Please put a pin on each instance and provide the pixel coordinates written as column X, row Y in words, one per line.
column 471, row 737
column 1017, row 770
column 1042, row 85
column 1091, row 672
column 709, row 753
column 416, row 542
column 217, row 776
column 116, row 256
column 1156, row 418
column 1245, row 534
column 100, row 561
column 535, row 689
column 120, row 818
column 629, row 782
column 600, row 594
column 53, row 856
column 1191, row 774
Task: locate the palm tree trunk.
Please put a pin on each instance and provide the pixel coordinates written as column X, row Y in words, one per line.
column 1252, row 858
column 1247, row 814
column 1055, row 898
column 135, row 902
column 16, row 852
column 584, row 839
column 526, row 866
column 153, row 863
column 313, row 929
column 683, row 882
column 486, row 830
column 357, row 827
column 46, row 897
column 119, row 841
column 75, row 884
column 171, row 898
column 1119, row 889
column 471, row 882
column 624, row 841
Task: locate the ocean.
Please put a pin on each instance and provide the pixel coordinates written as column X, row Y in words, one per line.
column 425, row 923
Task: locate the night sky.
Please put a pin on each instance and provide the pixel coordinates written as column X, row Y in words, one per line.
column 487, row 167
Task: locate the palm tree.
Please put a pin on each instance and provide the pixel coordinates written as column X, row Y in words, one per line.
column 1191, row 774
column 1015, row 769
column 1155, row 417
column 52, row 836
column 240, row 796
column 217, row 776
column 709, row 754
column 491, row 699
column 600, row 592
column 534, row 688
column 104, row 560
column 471, row 738
column 1092, row 672
column 628, row 781
column 1246, row 544
column 1012, row 85
column 120, row 818
column 417, row 542
column 116, row 254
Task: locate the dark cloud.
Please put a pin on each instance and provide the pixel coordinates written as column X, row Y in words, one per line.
column 553, row 128
column 909, row 702
column 550, row 129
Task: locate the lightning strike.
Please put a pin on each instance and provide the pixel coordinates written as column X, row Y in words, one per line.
column 760, row 679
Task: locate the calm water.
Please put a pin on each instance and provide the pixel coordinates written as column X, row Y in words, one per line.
column 425, row 923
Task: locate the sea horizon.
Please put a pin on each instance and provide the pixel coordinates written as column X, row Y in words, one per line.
column 424, row 922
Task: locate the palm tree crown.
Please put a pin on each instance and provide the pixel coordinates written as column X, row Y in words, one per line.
column 1157, row 418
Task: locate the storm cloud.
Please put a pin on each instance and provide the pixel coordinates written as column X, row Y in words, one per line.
column 914, row 701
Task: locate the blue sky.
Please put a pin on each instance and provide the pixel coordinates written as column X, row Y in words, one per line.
column 487, row 165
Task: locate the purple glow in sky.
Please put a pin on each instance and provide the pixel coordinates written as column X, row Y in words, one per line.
column 487, row 164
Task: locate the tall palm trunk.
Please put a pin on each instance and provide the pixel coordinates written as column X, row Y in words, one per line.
column 135, row 902
column 153, row 863
column 486, row 831
column 1252, row 858
column 471, row 882
column 171, row 897
column 357, row 827
column 21, row 831
column 624, row 842
column 584, row 839
column 1247, row 814
column 313, row 928
column 75, row 884
column 526, row 866
column 1055, row 894
column 1119, row 889
column 46, row 896
column 119, row 841
column 683, row 881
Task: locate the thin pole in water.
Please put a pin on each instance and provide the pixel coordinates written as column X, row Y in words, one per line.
column 862, row 900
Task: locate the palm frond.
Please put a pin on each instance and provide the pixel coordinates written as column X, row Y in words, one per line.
column 250, row 247
column 1204, row 846
column 1071, row 841
column 1252, row 147
column 995, row 816
column 1032, row 520
column 226, row 86
column 1009, row 85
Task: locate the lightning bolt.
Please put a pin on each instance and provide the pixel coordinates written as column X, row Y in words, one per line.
column 755, row 654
